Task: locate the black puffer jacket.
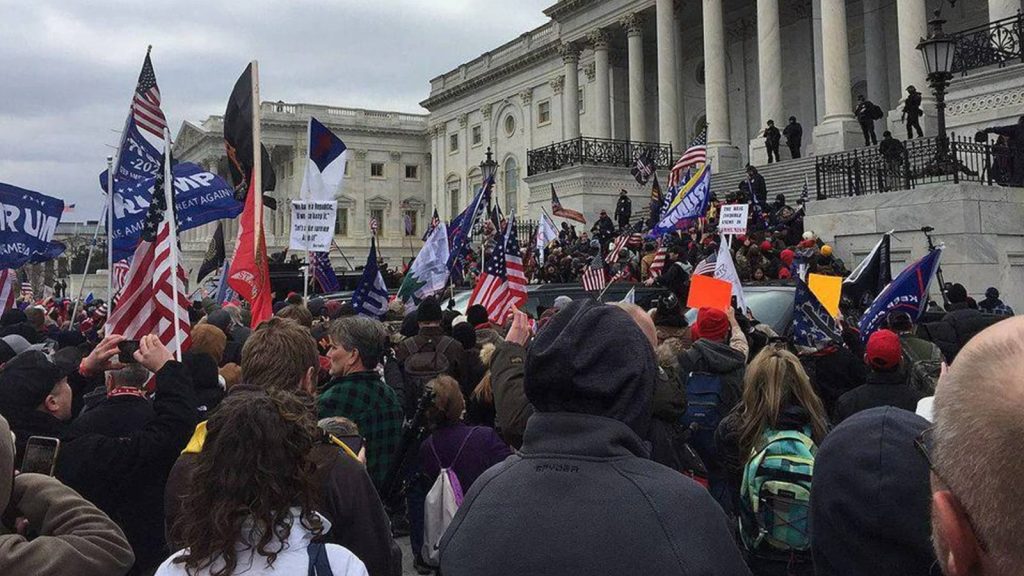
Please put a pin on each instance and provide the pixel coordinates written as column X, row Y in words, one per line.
column 957, row 327
column 881, row 389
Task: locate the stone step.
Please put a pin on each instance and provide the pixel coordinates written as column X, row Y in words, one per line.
column 786, row 177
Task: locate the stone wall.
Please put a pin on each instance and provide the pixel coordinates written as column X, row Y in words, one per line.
column 981, row 227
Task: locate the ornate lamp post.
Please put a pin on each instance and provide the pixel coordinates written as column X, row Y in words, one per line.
column 488, row 167
column 938, row 51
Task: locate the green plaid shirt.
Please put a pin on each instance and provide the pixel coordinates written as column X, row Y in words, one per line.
column 364, row 398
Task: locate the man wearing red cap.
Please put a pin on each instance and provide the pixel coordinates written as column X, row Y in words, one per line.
column 887, row 382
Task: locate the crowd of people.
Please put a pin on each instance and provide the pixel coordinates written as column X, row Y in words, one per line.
column 311, row 442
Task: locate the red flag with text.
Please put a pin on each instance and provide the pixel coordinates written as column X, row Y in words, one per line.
column 249, row 274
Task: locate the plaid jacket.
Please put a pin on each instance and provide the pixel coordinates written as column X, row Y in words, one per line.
column 365, row 399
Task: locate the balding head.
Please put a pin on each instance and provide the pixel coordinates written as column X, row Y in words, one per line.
column 978, row 515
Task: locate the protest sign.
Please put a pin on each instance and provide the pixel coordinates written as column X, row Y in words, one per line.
column 733, row 219
column 312, row 225
column 827, row 289
column 708, row 292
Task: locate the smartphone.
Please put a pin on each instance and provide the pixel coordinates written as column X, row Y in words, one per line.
column 126, row 350
column 41, row 455
column 354, row 443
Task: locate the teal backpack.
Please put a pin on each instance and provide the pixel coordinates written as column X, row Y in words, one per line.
column 775, row 496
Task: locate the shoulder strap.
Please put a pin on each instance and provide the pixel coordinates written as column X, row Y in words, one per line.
column 433, row 450
column 411, row 346
column 446, row 343
column 464, row 441
column 319, row 565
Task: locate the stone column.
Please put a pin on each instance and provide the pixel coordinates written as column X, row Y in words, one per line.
column 570, row 98
column 602, row 85
column 999, row 9
column 721, row 152
column 769, row 74
column 876, row 71
column 634, row 25
column 668, row 97
column 838, row 130
column 912, row 26
column 677, row 42
column 435, row 160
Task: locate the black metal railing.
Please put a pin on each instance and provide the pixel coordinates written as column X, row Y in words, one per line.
column 595, row 151
column 524, row 232
column 922, row 161
column 995, row 43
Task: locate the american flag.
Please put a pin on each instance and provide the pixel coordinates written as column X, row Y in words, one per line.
column 502, row 285
column 697, row 153
column 374, row 226
column 705, row 267
column 153, row 299
column 146, row 105
column 659, row 262
column 26, row 290
column 594, row 277
column 119, row 275
column 613, row 254
column 8, row 288
column 434, row 221
column 323, row 272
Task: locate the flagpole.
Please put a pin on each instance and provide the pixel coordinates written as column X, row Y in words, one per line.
column 257, row 162
column 110, row 235
column 606, row 287
column 172, row 234
column 305, row 281
column 85, row 272
column 335, row 244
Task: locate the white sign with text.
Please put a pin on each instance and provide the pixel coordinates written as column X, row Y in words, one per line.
column 312, row 225
column 732, row 219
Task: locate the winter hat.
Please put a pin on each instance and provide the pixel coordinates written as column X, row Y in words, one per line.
column 460, row 319
column 712, row 324
column 808, row 235
column 871, row 458
column 465, row 334
column 477, row 315
column 429, row 310
column 884, row 351
column 992, row 292
column 315, row 307
column 410, row 327
column 766, row 246
column 787, row 256
column 562, row 302
column 28, row 379
column 826, row 250
column 592, row 358
column 957, row 293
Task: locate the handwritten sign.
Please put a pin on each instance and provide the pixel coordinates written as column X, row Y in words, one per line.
column 312, row 225
column 733, row 219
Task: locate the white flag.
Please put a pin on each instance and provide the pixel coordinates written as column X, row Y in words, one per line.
column 725, row 269
column 630, row 297
column 429, row 272
column 546, row 233
column 325, row 169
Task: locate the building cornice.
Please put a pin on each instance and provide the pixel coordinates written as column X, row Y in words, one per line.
column 523, row 62
column 566, row 8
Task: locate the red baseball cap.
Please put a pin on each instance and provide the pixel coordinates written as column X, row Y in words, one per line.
column 884, row 351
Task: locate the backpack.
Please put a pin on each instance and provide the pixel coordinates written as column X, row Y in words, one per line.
column 876, row 112
column 441, row 504
column 422, row 365
column 318, row 561
column 703, row 412
column 775, row 494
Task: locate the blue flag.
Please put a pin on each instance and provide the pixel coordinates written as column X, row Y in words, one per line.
column 224, row 291
column 460, row 229
column 138, row 159
column 908, row 293
column 371, row 295
column 813, row 326
column 690, row 202
column 27, row 223
column 323, row 272
column 89, row 298
column 200, row 197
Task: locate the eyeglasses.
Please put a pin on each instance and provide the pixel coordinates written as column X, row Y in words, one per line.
column 925, row 443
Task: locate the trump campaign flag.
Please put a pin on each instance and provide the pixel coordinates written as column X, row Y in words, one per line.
column 28, row 221
column 371, row 295
column 908, row 293
column 690, row 202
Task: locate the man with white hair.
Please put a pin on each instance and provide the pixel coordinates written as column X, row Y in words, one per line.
column 977, row 512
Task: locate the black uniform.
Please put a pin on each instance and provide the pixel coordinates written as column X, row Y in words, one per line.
column 865, row 113
column 623, row 211
column 912, row 114
column 772, row 137
column 794, row 133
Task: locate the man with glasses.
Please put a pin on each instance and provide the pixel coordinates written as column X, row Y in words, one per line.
column 974, row 454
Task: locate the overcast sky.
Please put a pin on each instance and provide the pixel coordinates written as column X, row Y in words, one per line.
column 68, row 67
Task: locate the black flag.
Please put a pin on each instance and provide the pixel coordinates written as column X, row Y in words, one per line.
column 214, row 257
column 238, row 141
column 870, row 277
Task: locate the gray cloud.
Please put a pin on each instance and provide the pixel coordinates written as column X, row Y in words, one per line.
column 69, row 67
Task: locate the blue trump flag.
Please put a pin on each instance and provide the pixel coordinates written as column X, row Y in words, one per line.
column 908, row 293
column 323, row 272
column 138, row 159
column 371, row 296
column 813, row 326
column 200, row 197
column 28, row 221
column 690, row 202
column 460, row 229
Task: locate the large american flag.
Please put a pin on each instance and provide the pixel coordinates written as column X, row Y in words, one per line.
column 146, row 105
column 594, row 277
column 9, row 286
column 153, row 297
column 659, row 261
column 705, row 267
column 697, row 153
column 502, row 285
column 613, row 254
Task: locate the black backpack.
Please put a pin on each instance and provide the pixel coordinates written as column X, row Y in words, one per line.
column 876, row 112
column 421, row 365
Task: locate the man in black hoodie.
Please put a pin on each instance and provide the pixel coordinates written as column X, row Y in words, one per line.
column 582, row 496
column 870, row 498
column 888, row 382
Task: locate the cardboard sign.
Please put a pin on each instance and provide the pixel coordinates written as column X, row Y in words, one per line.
column 312, row 225
column 708, row 292
column 827, row 289
column 733, row 219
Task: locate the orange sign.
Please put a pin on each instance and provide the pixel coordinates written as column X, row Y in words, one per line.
column 708, row 292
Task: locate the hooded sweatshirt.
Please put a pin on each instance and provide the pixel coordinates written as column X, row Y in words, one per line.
column 73, row 534
column 582, row 496
column 871, row 499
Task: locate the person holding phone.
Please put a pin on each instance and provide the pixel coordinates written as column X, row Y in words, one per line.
column 69, row 533
column 35, row 398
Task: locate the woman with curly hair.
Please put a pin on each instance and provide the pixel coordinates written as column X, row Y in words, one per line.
column 250, row 509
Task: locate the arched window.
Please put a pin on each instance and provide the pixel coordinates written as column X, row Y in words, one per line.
column 452, row 186
column 511, row 184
